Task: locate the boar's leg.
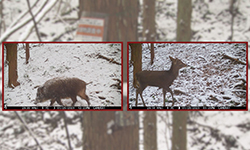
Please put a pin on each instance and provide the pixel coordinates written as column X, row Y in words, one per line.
column 52, row 101
column 58, row 100
column 86, row 98
column 74, row 100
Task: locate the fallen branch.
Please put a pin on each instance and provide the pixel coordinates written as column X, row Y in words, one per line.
column 236, row 60
column 108, row 59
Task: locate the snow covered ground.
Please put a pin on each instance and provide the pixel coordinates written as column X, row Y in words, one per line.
column 210, row 21
column 48, row 60
column 211, row 80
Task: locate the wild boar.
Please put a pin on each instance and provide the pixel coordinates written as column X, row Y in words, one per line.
column 58, row 88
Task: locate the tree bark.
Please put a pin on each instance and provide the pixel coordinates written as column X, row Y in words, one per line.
column 122, row 26
column 12, row 60
column 123, row 15
column 184, row 32
column 179, row 134
column 150, row 130
column 136, row 58
column 102, row 130
column 149, row 30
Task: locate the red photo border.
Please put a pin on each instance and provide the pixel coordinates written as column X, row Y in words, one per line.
column 206, row 42
column 121, row 109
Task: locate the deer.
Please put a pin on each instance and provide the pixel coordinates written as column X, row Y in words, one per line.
column 162, row 79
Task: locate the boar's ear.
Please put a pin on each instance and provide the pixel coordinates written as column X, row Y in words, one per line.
column 36, row 87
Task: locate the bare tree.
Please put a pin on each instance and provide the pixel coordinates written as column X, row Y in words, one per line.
column 184, row 13
column 136, row 58
column 179, row 134
column 110, row 130
column 11, row 58
column 150, row 130
column 34, row 21
column 28, row 129
column 149, row 30
column 122, row 26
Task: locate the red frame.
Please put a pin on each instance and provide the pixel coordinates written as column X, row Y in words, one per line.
column 134, row 109
column 64, row 109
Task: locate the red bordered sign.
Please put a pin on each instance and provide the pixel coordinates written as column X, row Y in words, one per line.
column 92, row 27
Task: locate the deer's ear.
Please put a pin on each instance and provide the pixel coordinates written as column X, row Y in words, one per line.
column 171, row 58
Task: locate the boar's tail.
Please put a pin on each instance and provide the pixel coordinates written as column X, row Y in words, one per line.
column 89, row 83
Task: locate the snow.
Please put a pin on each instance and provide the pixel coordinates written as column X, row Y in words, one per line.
column 210, row 22
column 209, row 74
column 48, row 61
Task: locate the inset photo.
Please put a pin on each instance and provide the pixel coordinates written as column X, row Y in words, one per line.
column 187, row 76
column 62, row 76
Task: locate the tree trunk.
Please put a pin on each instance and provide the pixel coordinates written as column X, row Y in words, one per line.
column 136, row 58
column 150, row 130
column 122, row 26
column 110, row 130
column 149, row 30
column 184, row 32
column 122, row 21
column 12, row 60
column 179, row 135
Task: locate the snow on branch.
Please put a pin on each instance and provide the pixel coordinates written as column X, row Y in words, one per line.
column 39, row 17
column 39, row 14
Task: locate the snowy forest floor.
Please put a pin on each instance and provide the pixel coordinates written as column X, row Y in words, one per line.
column 83, row 61
column 211, row 80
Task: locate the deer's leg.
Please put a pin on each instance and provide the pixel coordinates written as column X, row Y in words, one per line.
column 139, row 91
column 136, row 97
column 164, row 95
column 169, row 90
column 142, row 100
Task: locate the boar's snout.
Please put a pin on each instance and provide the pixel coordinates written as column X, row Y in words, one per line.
column 39, row 95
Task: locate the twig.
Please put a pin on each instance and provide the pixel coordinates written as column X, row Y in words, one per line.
column 34, row 21
column 62, row 34
column 108, row 59
column 22, row 15
column 11, row 30
column 1, row 14
column 28, row 129
column 39, row 17
column 236, row 60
